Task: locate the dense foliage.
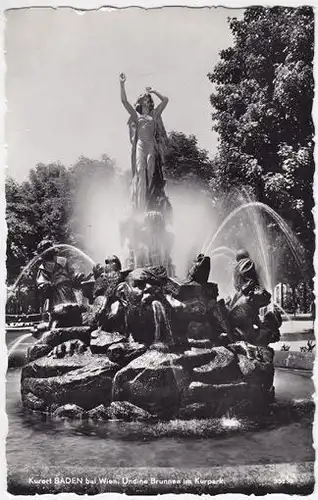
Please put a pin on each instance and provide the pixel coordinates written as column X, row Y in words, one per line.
column 262, row 111
column 186, row 163
column 262, row 106
column 43, row 206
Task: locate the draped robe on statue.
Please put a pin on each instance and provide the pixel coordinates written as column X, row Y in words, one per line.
column 148, row 138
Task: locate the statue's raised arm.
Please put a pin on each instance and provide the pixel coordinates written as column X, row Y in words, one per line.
column 123, row 96
column 164, row 101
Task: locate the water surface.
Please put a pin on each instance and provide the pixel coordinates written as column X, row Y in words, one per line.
column 39, row 442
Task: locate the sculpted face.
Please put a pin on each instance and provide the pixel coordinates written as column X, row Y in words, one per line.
column 46, row 250
column 140, row 287
column 146, row 104
column 48, row 255
column 112, row 263
column 137, row 288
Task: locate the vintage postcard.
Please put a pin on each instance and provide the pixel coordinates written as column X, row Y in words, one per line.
column 159, row 316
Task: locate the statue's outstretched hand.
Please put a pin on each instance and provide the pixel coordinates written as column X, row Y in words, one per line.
column 122, row 77
column 149, row 90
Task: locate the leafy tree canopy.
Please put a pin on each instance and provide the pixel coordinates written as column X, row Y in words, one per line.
column 262, row 100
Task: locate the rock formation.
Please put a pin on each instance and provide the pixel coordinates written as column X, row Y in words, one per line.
column 150, row 347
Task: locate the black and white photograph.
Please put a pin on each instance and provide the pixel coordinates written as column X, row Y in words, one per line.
column 159, row 227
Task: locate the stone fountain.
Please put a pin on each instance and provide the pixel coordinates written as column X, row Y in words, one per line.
column 144, row 345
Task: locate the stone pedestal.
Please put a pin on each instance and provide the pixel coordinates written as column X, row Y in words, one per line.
column 148, row 240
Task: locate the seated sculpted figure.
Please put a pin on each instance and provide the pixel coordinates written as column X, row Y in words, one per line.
column 147, row 304
column 55, row 279
column 244, row 307
column 107, row 310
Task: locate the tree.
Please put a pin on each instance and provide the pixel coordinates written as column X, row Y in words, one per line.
column 86, row 173
column 262, row 112
column 49, row 196
column 290, row 191
column 21, row 233
column 37, row 208
column 185, row 162
column 45, row 205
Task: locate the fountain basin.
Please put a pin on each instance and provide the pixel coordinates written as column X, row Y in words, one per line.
column 295, row 360
column 268, row 455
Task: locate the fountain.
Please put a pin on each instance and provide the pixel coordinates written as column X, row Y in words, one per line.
column 142, row 339
column 143, row 324
column 164, row 354
column 146, row 343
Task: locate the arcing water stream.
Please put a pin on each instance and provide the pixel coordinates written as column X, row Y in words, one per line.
column 18, row 342
column 259, row 238
column 36, row 259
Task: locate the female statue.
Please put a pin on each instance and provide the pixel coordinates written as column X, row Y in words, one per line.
column 148, row 138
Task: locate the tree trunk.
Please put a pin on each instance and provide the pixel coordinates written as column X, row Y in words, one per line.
column 305, row 308
column 294, row 300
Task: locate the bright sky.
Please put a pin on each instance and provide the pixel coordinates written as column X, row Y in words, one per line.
column 62, row 84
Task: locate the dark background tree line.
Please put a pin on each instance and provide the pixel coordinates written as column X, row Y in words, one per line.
column 261, row 99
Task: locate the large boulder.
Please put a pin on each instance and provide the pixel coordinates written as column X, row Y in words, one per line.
column 57, row 336
column 32, row 402
column 38, row 350
column 221, row 369
column 198, row 392
column 66, row 315
column 51, row 367
column 101, row 340
column 201, row 343
column 86, row 387
column 197, row 356
column 100, row 412
column 261, row 353
column 153, row 382
column 38, row 330
column 256, row 372
column 217, row 400
column 194, row 410
column 215, row 394
column 124, row 352
column 68, row 411
column 123, row 410
column 255, row 363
